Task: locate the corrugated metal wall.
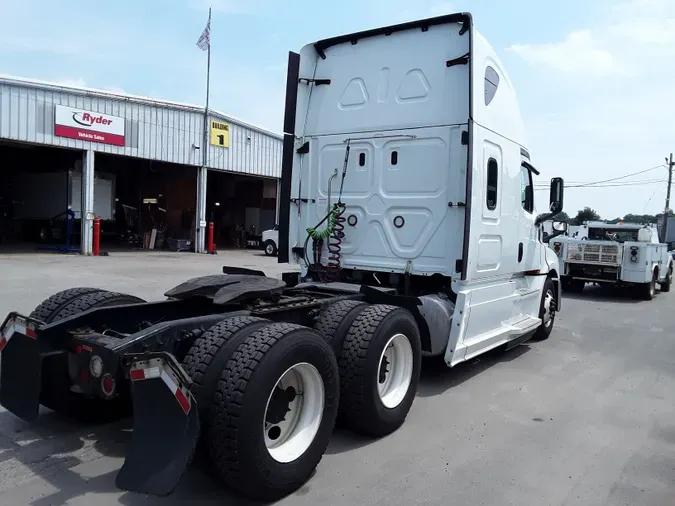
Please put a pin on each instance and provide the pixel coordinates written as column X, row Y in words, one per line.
column 152, row 131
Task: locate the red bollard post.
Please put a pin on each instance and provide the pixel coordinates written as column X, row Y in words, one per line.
column 96, row 247
column 211, row 247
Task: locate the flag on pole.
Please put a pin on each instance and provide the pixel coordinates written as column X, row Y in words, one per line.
column 205, row 38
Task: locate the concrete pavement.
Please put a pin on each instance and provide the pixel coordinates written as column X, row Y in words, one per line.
column 585, row 418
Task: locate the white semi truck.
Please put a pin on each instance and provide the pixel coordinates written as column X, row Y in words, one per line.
column 622, row 254
column 407, row 205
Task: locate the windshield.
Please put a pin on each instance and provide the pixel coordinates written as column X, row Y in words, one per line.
column 602, row 234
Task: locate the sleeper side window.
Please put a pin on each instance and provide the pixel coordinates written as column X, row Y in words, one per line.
column 491, row 84
column 526, row 190
column 492, row 182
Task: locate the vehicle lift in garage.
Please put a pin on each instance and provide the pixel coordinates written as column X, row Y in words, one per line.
column 70, row 222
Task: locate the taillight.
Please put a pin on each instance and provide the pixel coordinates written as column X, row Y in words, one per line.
column 108, row 385
column 633, row 253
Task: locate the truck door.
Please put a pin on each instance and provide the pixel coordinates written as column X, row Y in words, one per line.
column 528, row 253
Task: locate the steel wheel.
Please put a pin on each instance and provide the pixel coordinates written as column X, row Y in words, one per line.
column 652, row 286
column 293, row 412
column 269, row 249
column 395, row 371
column 549, row 308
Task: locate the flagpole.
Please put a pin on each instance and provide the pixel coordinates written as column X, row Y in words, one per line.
column 206, row 109
column 201, row 202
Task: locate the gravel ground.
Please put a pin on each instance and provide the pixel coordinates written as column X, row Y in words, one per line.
column 585, row 418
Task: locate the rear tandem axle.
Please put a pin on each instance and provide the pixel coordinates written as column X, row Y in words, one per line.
column 228, row 366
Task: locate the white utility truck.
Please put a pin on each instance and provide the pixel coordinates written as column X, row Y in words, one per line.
column 622, row 254
column 408, row 226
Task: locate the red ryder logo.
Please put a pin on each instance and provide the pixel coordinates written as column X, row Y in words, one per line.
column 87, row 119
column 88, row 126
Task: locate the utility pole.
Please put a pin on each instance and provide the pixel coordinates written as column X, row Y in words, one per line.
column 671, row 164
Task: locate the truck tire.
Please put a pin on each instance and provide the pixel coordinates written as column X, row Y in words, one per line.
column 94, row 300
column 546, row 311
column 48, row 308
column 270, row 248
column 205, row 361
column 665, row 286
column 266, row 441
column 572, row 285
column 334, row 321
column 56, row 394
column 646, row 291
column 380, row 366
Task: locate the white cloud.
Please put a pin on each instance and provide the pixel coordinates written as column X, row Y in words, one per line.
column 114, row 89
column 77, row 82
column 598, row 105
column 636, row 33
column 578, row 53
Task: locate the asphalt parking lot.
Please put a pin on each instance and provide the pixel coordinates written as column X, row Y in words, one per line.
column 586, row 418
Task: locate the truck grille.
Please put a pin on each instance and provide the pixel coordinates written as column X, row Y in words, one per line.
column 596, row 253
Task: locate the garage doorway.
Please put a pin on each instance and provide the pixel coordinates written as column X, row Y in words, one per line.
column 153, row 204
column 40, row 198
column 241, row 208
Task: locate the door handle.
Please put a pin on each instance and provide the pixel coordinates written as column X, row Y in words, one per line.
column 520, row 252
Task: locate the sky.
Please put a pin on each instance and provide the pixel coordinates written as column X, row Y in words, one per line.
column 594, row 79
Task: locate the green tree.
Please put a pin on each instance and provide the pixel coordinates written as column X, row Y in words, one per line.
column 585, row 214
column 639, row 218
column 563, row 216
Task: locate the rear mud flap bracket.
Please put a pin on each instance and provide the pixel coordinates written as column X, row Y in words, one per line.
column 20, row 368
column 166, row 426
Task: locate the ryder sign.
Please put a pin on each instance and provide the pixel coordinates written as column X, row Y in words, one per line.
column 88, row 126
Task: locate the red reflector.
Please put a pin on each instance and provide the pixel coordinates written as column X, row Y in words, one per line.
column 78, row 349
column 183, row 401
column 3, row 343
column 31, row 333
column 137, row 374
column 108, row 385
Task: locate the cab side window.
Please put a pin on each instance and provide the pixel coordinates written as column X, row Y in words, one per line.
column 526, row 190
column 492, row 182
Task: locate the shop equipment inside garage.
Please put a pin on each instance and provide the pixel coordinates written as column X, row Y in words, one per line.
column 149, row 189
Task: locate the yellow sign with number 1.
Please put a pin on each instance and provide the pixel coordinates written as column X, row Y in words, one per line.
column 220, row 134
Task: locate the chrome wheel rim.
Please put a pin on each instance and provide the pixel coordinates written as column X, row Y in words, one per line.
column 549, row 308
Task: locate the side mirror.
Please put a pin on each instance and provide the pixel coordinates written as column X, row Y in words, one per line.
column 556, row 198
column 559, row 226
column 556, row 201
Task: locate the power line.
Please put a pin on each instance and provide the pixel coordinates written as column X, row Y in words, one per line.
column 611, row 185
column 594, row 183
column 653, row 194
column 624, row 177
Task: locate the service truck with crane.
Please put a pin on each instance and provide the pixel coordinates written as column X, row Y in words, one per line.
column 619, row 255
column 407, row 206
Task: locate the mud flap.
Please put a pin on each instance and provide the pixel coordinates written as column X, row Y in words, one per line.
column 166, row 426
column 20, row 369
